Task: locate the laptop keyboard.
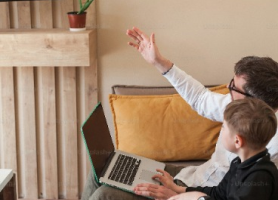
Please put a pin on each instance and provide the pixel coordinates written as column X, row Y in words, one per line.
column 125, row 169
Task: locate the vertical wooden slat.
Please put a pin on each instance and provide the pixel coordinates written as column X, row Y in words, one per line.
column 46, row 105
column 46, row 133
column 45, row 14
column 87, row 99
column 7, row 106
column 60, row 10
column 67, row 116
column 27, row 152
column 7, row 120
column 26, row 133
column 67, row 134
column 4, row 15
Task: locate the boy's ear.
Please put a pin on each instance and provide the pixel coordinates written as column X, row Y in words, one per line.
column 239, row 141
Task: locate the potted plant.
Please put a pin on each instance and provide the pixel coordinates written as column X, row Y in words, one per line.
column 77, row 19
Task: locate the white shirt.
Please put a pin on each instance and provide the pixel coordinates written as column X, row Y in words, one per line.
column 210, row 105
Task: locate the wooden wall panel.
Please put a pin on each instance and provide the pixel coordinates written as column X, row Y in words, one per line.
column 46, row 107
column 4, row 15
column 46, row 112
column 26, row 133
column 87, row 99
column 46, row 133
column 8, row 149
column 67, row 134
column 7, row 120
column 68, row 169
column 26, row 116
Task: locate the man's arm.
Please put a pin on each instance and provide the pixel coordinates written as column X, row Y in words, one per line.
column 206, row 103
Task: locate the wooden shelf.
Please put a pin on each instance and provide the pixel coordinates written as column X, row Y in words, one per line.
column 46, row 48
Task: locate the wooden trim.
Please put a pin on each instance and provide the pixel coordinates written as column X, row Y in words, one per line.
column 45, row 48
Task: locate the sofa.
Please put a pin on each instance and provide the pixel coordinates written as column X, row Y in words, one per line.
column 155, row 122
column 127, row 102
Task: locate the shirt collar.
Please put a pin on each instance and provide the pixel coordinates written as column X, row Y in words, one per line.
column 252, row 160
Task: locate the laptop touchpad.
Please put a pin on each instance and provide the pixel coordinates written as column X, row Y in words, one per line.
column 147, row 176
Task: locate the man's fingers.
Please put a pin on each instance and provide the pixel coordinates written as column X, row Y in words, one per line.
column 133, row 35
column 153, row 41
column 140, row 34
column 133, row 45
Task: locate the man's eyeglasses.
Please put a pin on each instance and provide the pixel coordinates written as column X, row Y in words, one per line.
column 232, row 87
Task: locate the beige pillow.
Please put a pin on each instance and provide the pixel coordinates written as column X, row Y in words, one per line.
column 163, row 127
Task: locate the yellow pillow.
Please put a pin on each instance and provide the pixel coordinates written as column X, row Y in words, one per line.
column 163, row 127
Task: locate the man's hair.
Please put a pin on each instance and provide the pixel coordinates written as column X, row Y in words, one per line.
column 252, row 119
column 261, row 75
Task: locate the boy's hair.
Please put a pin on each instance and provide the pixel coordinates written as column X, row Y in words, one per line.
column 252, row 119
column 261, row 75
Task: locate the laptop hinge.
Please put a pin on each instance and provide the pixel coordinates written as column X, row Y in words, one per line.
column 107, row 163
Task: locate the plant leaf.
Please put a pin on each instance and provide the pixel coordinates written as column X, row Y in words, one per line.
column 80, row 4
column 85, row 6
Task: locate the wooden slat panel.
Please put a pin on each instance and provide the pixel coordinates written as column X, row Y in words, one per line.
column 48, row 173
column 46, row 133
column 34, row 158
column 60, row 10
column 7, row 120
column 45, row 14
column 26, row 134
column 8, row 155
column 68, row 168
column 67, row 133
column 87, row 99
column 4, row 15
column 23, row 14
column 27, row 152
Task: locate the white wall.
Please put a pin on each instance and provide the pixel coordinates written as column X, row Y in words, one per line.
column 203, row 37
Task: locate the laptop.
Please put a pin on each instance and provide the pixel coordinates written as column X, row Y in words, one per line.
column 114, row 167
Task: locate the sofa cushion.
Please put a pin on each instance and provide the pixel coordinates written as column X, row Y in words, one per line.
column 163, row 127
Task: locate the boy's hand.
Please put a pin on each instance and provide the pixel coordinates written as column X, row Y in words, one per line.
column 167, row 180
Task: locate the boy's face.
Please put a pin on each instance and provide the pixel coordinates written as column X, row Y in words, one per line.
column 227, row 137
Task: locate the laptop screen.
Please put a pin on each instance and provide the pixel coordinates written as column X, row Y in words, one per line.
column 97, row 137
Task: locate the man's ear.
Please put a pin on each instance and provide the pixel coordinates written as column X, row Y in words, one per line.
column 239, row 141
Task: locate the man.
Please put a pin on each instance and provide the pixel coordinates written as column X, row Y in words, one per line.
column 254, row 77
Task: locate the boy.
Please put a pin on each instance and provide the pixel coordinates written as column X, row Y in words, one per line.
column 248, row 126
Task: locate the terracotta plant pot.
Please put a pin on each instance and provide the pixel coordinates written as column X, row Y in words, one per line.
column 77, row 22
